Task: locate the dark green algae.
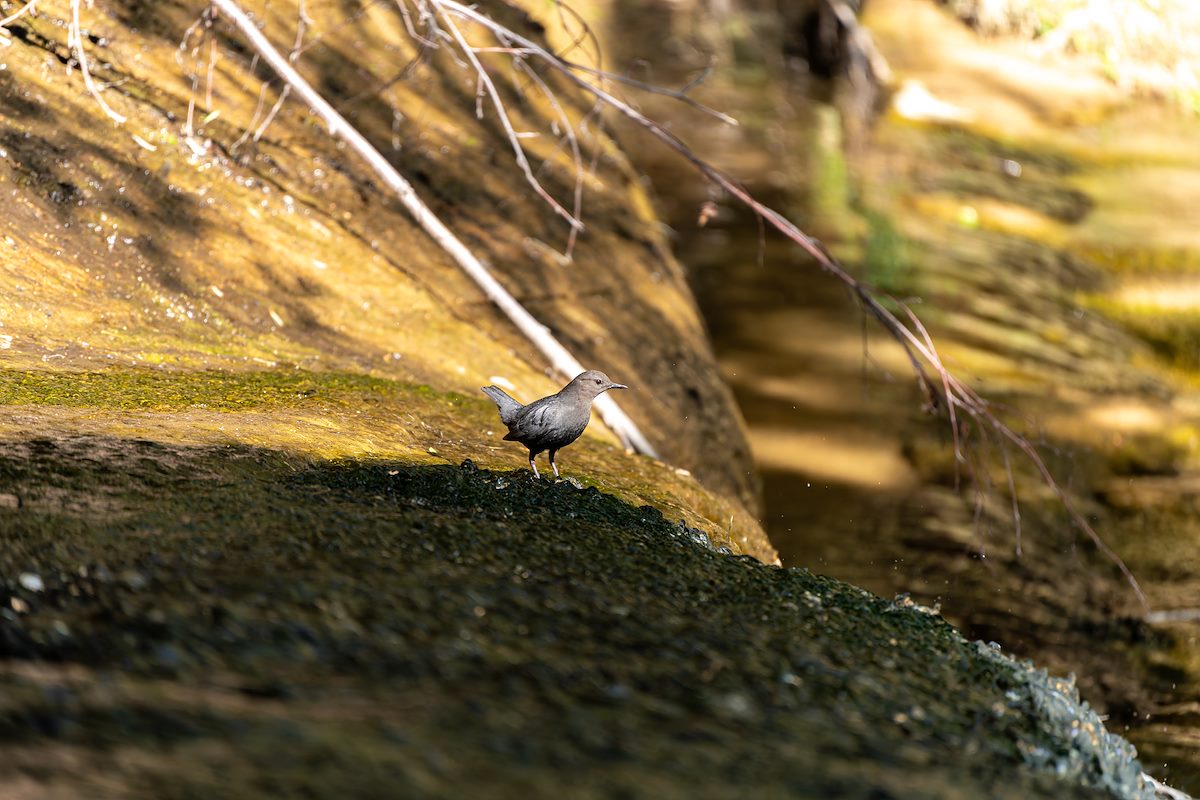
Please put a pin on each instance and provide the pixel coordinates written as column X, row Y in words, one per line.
column 240, row 622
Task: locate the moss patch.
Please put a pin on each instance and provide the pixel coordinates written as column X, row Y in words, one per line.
column 331, row 415
column 245, row 621
column 172, row 391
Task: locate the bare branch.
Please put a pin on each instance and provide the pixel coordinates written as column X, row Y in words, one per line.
column 485, row 80
column 75, row 43
column 204, row 19
column 272, row 113
column 188, row 129
column 262, row 99
column 426, row 43
column 675, row 94
column 302, row 23
column 951, row 401
column 573, row 141
column 1012, row 493
column 16, row 15
column 348, row 20
column 187, row 35
column 208, row 80
column 585, row 33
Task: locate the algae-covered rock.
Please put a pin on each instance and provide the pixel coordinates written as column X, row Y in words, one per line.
column 233, row 621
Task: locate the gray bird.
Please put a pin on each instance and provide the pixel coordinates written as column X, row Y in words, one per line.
column 553, row 422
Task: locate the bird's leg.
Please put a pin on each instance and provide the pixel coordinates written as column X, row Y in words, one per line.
column 533, row 467
column 553, row 466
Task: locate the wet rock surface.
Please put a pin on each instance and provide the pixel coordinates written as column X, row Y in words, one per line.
column 206, row 249
column 243, row 622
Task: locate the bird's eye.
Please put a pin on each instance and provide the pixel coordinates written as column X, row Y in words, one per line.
column 598, row 381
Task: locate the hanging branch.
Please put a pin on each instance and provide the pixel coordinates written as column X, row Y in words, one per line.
column 560, row 358
column 572, row 141
column 679, row 95
column 488, row 85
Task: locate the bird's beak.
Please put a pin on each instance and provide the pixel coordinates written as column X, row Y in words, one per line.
column 617, row 386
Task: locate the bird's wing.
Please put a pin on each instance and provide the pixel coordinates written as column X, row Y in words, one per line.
column 532, row 420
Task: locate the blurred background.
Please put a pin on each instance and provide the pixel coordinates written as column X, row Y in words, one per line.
column 1024, row 174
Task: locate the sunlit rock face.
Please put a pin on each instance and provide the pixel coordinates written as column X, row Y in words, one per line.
column 196, row 235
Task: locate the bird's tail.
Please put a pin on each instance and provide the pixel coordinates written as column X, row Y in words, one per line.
column 508, row 407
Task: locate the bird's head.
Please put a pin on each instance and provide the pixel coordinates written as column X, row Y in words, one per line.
column 593, row 383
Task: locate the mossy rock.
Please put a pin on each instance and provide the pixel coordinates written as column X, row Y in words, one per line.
column 190, row 621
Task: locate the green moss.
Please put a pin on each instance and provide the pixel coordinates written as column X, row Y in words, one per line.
column 1142, row 259
column 172, row 391
column 1173, row 335
column 1050, row 198
column 829, row 197
column 885, row 255
column 1147, row 454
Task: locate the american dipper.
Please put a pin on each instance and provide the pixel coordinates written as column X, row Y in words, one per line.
column 553, row 422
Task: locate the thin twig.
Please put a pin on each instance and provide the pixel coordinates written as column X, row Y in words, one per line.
column 75, row 43
column 675, row 94
column 258, row 134
column 350, row 19
column 585, row 32
column 572, row 140
column 16, row 15
column 208, row 80
column 1012, row 493
column 187, row 36
column 262, row 99
column 489, row 86
column 188, row 129
column 204, row 19
column 951, row 400
column 425, row 42
column 302, row 23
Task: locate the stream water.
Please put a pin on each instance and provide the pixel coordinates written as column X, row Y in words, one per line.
column 1048, row 253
